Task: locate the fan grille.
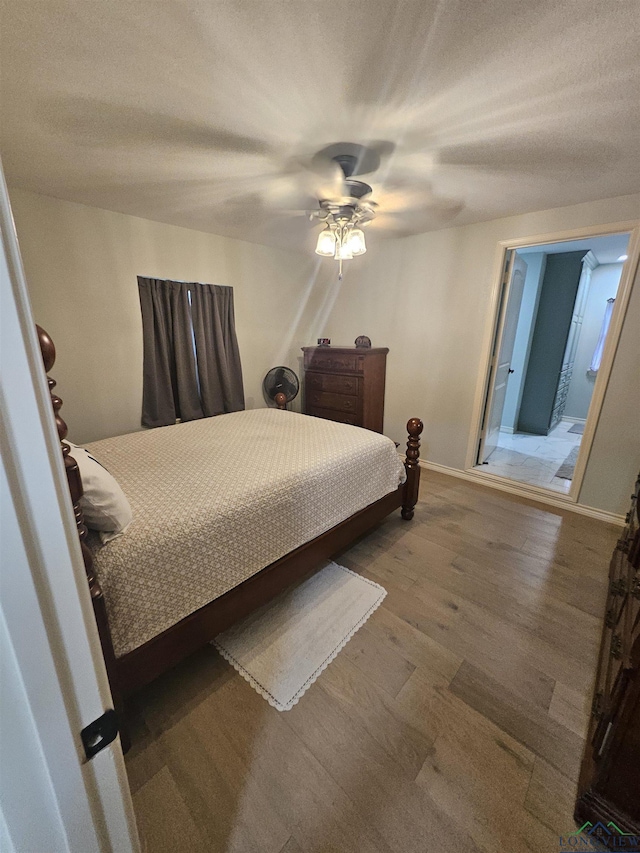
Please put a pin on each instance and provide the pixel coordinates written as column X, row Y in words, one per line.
column 281, row 380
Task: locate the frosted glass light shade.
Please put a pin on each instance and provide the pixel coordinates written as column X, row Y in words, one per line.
column 343, row 250
column 326, row 245
column 356, row 242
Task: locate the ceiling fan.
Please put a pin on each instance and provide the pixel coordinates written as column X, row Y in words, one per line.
column 325, row 185
column 350, row 206
column 346, row 204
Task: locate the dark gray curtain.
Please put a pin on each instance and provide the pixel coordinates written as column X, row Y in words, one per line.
column 176, row 317
column 217, row 352
column 169, row 385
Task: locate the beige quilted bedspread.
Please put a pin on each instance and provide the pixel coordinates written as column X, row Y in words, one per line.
column 216, row 500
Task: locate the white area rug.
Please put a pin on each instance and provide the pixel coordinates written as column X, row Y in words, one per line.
column 282, row 648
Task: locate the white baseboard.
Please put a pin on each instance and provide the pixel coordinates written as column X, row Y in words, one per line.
column 523, row 490
column 507, row 429
column 573, row 420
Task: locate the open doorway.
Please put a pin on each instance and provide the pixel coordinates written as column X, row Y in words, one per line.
column 556, row 307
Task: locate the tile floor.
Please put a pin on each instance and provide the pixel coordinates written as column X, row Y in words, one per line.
column 534, row 459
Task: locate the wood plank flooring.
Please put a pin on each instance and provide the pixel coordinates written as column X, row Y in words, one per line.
column 452, row 721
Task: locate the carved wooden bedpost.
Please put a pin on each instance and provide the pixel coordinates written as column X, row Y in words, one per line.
column 414, row 428
column 48, row 350
column 281, row 400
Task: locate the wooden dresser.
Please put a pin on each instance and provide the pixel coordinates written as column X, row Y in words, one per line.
column 346, row 384
column 609, row 786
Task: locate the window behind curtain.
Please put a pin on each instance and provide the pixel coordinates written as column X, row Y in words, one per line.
column 191, row 365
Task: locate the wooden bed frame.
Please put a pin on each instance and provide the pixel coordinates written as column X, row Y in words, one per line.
column 140, row 666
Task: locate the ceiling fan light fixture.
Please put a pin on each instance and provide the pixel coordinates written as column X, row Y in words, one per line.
column 356, row 242
column 343, row 252
column 345, row 208
column 343, row 249
column 327, row 242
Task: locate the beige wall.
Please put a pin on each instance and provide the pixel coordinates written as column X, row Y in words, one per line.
column 428, row 299
column 81, row 265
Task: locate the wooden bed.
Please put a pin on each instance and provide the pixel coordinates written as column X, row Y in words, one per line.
column 145, row 663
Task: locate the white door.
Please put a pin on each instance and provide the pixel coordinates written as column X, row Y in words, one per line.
column 52, row 798
column 503, row 353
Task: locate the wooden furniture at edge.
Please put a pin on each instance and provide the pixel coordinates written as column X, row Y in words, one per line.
column 142, row 665
column 609, row 786
column 346, row 384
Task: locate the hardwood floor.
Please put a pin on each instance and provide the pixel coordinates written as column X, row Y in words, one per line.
column 452, row 721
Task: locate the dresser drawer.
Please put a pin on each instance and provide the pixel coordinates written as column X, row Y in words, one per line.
column 327, row 400
column 333, row 383
column 331, row 415
column 334, row 362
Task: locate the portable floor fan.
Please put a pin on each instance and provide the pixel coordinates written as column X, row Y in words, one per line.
column 281, row 381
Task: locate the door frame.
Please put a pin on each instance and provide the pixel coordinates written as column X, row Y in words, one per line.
column 505, row 297
column 50, row 639
column 493, row 331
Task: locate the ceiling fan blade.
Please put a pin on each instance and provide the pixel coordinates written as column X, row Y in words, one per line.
column 396, row 201
column 399, row 198
column 287, row 191
column 326, row 181
column 355, row 158
column 102, row 124
column 524, row 155
column 409, row 222
column 296, row 184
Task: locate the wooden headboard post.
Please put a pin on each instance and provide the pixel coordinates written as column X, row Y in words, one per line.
column 48, row 350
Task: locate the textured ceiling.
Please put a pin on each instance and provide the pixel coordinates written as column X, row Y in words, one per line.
column 204, row 113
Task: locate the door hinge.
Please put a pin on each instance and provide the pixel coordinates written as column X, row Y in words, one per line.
column 100, row 733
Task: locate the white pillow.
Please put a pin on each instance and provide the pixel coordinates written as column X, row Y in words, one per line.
column 104, row 505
